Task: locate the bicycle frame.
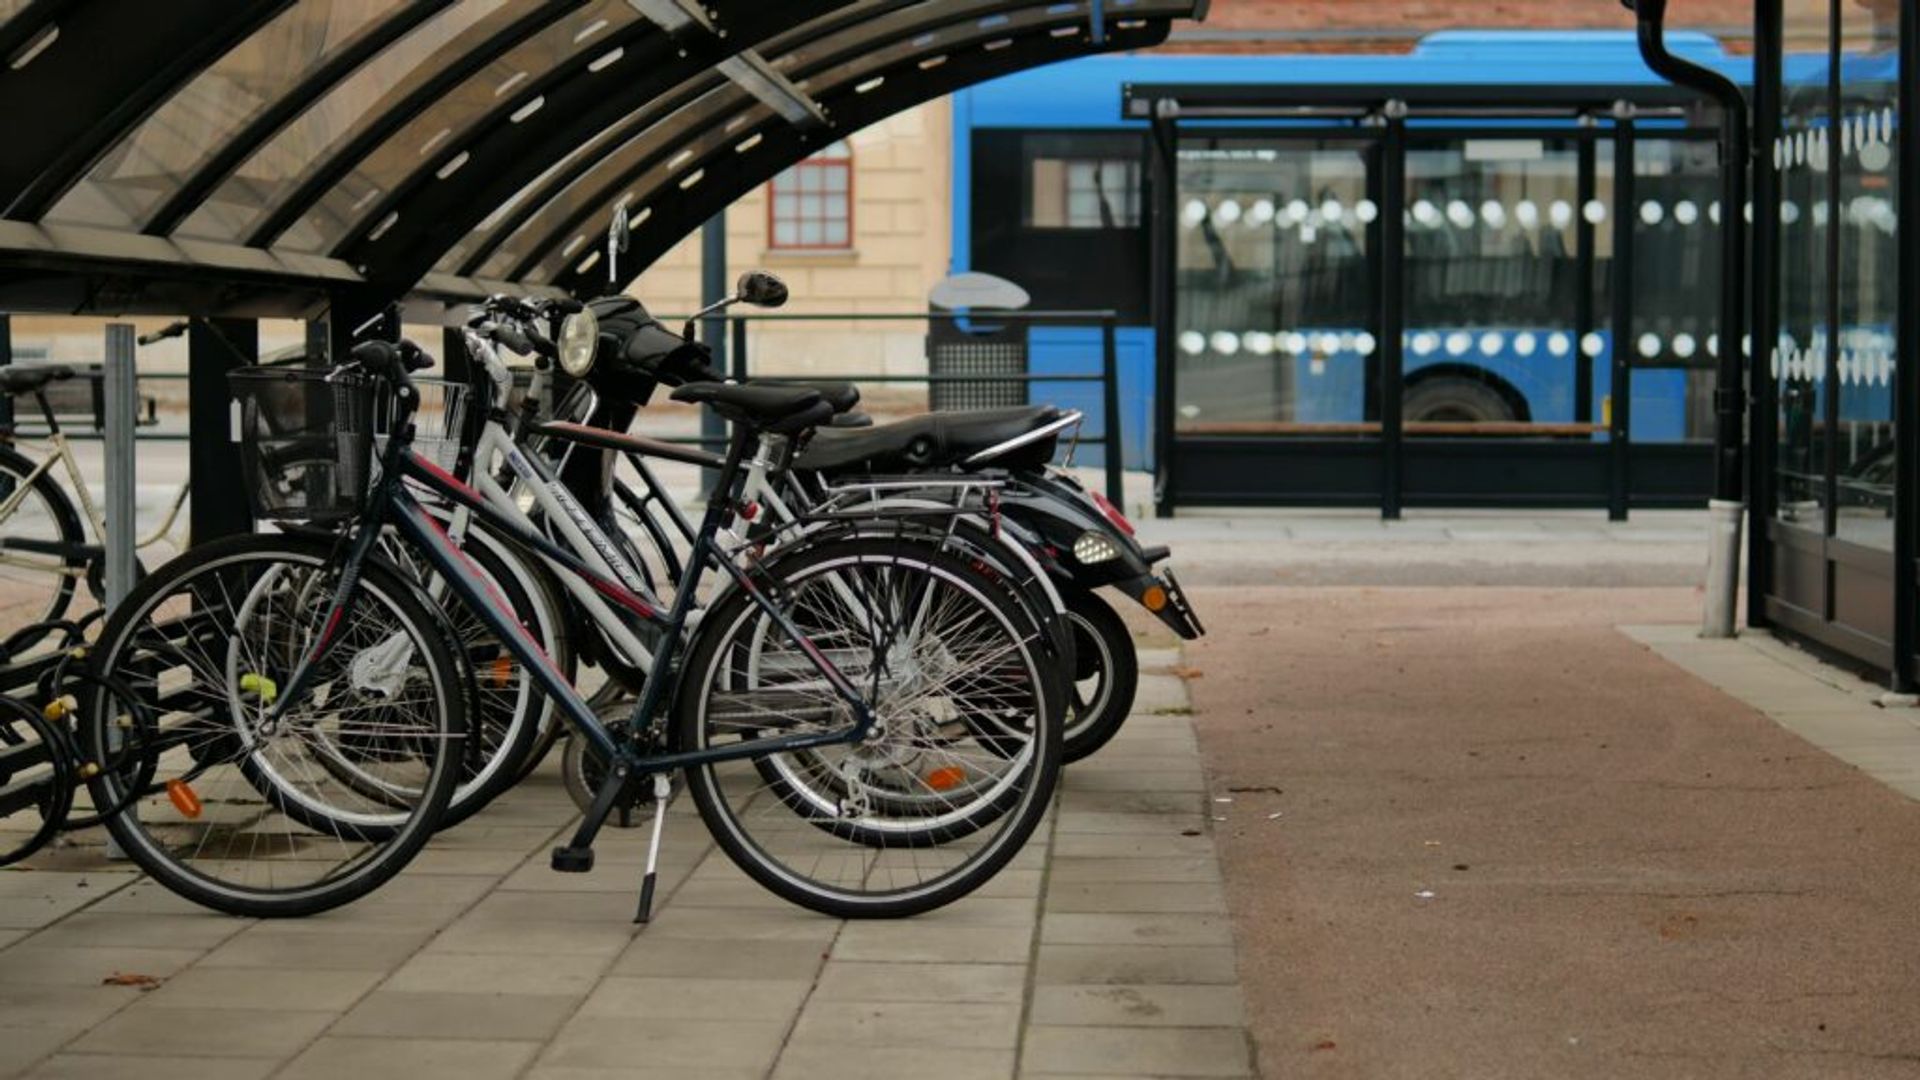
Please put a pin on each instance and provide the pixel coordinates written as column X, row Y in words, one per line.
column 392, row 502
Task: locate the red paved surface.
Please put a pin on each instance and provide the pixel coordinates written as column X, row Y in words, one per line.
column 1632, row 874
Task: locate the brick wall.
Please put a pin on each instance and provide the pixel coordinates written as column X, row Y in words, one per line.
column 1357, row 25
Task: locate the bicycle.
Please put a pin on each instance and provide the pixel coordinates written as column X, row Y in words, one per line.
column 252, row 645
column 41, row 766
column 44, row 550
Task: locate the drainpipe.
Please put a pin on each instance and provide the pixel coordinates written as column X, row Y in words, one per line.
column 1726, row 511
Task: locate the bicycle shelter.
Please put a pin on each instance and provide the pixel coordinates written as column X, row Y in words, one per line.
column 324, row 161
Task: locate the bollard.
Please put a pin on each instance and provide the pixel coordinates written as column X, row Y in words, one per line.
column 1724, row 520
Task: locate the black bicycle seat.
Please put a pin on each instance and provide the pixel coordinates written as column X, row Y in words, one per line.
column 841, row 395
column 27, row 378
column 781, row 410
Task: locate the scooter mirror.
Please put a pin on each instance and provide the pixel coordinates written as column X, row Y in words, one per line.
column 761, row 289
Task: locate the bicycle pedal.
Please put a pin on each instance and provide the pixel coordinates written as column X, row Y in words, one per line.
column 572, row 860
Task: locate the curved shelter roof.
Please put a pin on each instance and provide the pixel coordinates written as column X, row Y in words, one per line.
column 251, row 156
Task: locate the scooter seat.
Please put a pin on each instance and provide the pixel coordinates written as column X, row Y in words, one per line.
column 935, row 440
column 27, row 378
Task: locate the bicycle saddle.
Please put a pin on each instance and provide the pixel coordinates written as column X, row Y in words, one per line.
column 843, row 396
column 27, row 378
column 781, row 410
column 936, row 440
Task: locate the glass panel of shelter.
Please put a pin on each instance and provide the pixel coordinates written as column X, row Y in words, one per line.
column 428, row 137
column 123, row 188
column 1675, row 341
column 310, row 141
column 1799, row 357
column 1275, row 311
column 1492, row 284
column 1867, row 179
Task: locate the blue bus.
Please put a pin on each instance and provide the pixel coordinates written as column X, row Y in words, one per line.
column 1510, row 220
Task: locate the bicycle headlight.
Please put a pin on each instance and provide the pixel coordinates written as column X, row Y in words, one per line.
column 579, row 337
column 1094, row 547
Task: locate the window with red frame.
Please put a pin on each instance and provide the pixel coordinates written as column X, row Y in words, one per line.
column 811, row 208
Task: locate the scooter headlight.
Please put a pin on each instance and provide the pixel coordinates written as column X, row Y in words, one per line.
column 579, row 337
column 1095, row 547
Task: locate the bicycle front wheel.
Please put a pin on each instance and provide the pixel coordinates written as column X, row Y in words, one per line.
column 961, row 763
column 40, row 542
column 230, row 795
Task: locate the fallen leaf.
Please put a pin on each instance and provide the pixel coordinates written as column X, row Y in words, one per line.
column 1185, row 672
column 138, row 982
column 1325, row 1044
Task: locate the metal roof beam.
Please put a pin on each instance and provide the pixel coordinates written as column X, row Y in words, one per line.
column 750, row 72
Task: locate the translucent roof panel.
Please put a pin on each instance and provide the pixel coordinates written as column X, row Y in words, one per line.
column 307, row 143
column 507, row 83
column 124, row 187
column 855, row 57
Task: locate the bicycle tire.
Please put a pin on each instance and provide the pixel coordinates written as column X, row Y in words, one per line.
column 64, row 520
column 52, row 792
column 1020, row 800
column 365, row 848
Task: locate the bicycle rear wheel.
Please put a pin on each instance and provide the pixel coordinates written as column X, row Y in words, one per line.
column 36, row 780
column 963, row 758
column 231, row 805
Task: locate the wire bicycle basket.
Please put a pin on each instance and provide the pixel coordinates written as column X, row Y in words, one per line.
column 306, row 441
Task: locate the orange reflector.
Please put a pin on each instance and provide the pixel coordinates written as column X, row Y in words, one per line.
column 183, row 798
column 946, row 779
column 501, row 670
column 1154, row 598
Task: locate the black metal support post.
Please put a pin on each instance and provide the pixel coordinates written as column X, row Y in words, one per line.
column 454, row 363
column 215, row 347
column 6, row 358
column 1160, row 195
column 1906, row 574
column 737, row 352
column 318, row 334
column 1393, row 305
column 1764, row 283
column 1110, row 412
column 1587, row 187
column 1620, row 386
column 713, row 328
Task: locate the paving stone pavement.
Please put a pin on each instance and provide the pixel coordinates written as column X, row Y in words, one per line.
column 1103, row 950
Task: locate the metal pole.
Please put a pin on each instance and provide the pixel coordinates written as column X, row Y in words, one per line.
column 1110, row 402
column 122, row 407
column 1620, row 387
column 1583, row 315
column 713, row 328
column 1906, row 500
column 738, row 353
column 1161, row 169
column 1764, row 414
column 1393, row 308
column 6, row 359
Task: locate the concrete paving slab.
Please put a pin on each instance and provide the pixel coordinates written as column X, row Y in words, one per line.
column 151, row 1067
column 1153, row 1051
column 200, row 1032
column 410, row 1059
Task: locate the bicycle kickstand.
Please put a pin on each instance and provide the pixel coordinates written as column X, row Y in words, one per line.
column 662, row 792
column 577, row 856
